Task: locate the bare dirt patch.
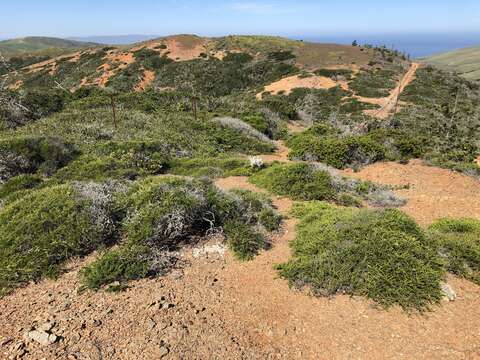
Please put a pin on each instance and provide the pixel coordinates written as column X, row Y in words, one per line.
column 434, row 193
column 286, row 85
column 148, row 78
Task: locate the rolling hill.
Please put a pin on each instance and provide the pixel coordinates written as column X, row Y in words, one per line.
column 36, row 43
column 466, row 62
column 156, row 200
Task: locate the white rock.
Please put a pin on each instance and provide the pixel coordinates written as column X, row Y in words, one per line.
column 448, row 292
column 42, row 337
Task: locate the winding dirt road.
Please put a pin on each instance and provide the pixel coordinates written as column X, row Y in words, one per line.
column 389, row 104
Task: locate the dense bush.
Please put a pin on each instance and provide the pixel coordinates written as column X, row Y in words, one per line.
column 163, row 214
column 375, row 83
column 459, row 244
column 298, row 181
column 302, row 181
column 351, row 151
column 28, row 155
column 47, row 227
column 382, row 255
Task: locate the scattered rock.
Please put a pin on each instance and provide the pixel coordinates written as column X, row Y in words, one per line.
column 5, row 341
column 448, row 292
column 42, row 337
column 163, row 351
column 46, row 326
column 151, row 323
column 96, row 323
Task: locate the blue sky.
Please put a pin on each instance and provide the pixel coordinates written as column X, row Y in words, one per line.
column 64, row 18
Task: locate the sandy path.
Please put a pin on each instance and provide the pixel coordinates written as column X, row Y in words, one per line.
column 389, row 104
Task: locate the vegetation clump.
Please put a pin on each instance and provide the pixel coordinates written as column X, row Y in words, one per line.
column 46, row 227
column 323, row 144
column 302, row 181
column 382, row 255
column 29, row 155
column 459, row 245
column 160, row 215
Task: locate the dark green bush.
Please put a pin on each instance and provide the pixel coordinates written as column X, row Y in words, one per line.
column 243, row 240
column 28, row 155
column 298, row 181
column 382, row 255
column 123, row 264
column 46, row 227
column 459, row 244
column 337, row 152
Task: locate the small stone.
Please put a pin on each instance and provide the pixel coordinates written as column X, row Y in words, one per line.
column 163, row 351
column 96, row 323
column 151, row 323
column 109, row 311
column 448, row 292
column 42, row 337
column 47, row 326
column 5, row 341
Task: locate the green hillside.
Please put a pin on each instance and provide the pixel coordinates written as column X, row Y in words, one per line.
column 465, row 61
column 120, row 150
column 35, row 43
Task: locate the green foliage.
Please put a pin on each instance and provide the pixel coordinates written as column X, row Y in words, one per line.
column 375, row 83
column 382, row 255
column 458, row 241
column 210, row 167
column 19, row 183
column 45, row 228
column 298, row 181
column 335, row 151
column 214, row 77
column 123, row 264
column 243, row 240
column 28, row 155
column 335, row 73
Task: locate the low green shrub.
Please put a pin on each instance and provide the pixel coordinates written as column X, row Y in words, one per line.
column 118, row 265
column 243, row 240
column 28, row 155
column 459, row 244
column 19, row 183
column 351, row 151
column 382, row 255
column 210, row 167
column 298, row 181
column 46, row 227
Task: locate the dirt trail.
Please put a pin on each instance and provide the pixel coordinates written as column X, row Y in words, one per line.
column 220, row 308
column 390, row 103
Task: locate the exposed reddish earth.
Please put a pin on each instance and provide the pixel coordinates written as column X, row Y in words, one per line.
column 434, row 193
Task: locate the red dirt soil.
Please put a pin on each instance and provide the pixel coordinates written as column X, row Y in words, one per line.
column 434, row 193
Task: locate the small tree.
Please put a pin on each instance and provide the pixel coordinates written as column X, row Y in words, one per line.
column 112, row 93
column 355, row 43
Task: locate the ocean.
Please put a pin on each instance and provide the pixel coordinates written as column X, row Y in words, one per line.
column 417, row 45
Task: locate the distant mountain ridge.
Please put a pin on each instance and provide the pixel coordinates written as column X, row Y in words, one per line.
column 466, row 62
column 115, row 39
column 37, row 43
